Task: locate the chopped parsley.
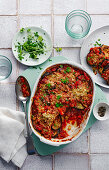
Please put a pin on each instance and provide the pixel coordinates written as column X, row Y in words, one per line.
column 61, row 66
column 58, row 105
column 52, row 92
column 65, row 80
column 48, row 85
column 88, row 58
column 34, row 45
column 58, row 97
column 28, row 30
column 58, row 49
column 40, row 68
column 64, row 71
column 97, row 43
column 22, row 30
column 68, row 69
column 49, row 60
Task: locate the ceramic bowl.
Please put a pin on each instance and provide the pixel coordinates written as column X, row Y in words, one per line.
column 78, row 131
column 95, row 111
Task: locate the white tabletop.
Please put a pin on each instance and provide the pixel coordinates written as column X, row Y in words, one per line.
column 91, row 150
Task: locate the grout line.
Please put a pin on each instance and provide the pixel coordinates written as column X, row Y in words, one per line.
column 5, row 48
column 89, row 163
column 5, row 83
column 49, row 14
column 89, row 141
column 86, row 5
column 17, row 3
column 100, row 153
column 74, row 153
column 53, row 161
column 9, row 15
column 52, row 25
column 34, row 14
column 16, row 7
column 98, row 14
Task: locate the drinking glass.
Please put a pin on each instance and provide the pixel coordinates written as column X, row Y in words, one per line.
column 5, row 67
column 78, row 23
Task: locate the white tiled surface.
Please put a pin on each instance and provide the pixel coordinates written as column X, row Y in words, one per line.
column 100, row 162
column 38, row 21
column 65, row 7
column 38, row 163
column 98, row 7
column 90, row 151
column 8, row 7
column 35, row 7
column 97, row 20
column 71, row 162
column 8, row 27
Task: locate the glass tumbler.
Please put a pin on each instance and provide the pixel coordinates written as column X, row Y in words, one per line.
column 78, row 23
column 5, row 67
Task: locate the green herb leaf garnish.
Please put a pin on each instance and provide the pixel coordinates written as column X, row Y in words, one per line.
column 61, row 66
column 22, row 29
column 58, row 97
column 49, row 85
column 49, row 60
column 58, row 105
column 65, row 80
column 34, row 45
column 68, row 69
column 28, row 30
column 58, row 49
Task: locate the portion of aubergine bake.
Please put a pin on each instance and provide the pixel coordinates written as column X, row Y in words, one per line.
column 98, row 59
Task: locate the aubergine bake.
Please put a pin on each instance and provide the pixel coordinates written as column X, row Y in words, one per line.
column 98, row 59
column 63, row 98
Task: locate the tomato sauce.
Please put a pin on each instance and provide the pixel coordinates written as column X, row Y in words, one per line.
column 63, row 96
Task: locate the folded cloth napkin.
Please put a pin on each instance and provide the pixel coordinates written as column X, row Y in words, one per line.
column 12, row 140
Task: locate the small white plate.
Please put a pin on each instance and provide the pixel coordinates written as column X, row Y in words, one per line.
column 102, row 34
column 95, row 111
column 19, row 37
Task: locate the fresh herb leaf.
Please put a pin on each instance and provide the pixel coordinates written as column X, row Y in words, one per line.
column 64, row 71
column 49, row 85
column 58, row 97
column 40, row 68
column 88, row 58
column 22, row 29
column 28, row 30
column 58, row 49
column 58, row 105
column 36, row 34
column 64, row 80
column 34, row 46
column 68, row 69
column 61, row 66
column 49, row 60
column 52, row 92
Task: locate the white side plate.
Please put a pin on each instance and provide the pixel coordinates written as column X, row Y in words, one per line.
column 29, row 61
column 102, row 34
